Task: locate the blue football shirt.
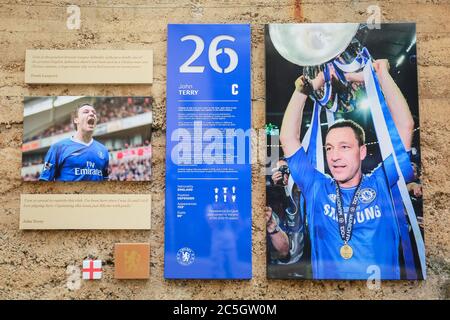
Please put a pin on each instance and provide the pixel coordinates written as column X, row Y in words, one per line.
column 71, row 160
column 375, row 239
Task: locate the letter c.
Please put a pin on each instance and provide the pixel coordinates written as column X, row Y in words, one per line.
column 234, row 90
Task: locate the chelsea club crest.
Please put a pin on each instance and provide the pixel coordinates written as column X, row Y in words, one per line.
column 367, row 195
column 101, row 155
column 185, row 256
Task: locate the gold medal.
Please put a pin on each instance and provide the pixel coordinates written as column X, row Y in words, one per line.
column 346, row 252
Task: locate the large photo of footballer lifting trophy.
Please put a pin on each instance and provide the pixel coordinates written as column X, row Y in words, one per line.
column 343, row 181
column 80, row 138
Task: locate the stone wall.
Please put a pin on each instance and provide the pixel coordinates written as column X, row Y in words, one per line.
column 33, row 263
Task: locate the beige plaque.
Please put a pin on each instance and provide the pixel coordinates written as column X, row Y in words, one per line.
column 89, row 66
column 85, row 211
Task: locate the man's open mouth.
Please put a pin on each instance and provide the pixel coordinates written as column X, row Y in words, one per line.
column 91, row 121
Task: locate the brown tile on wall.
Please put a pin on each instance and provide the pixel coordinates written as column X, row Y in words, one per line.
column 132, row 261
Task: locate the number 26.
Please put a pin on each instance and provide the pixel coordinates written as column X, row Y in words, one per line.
column 213, row 53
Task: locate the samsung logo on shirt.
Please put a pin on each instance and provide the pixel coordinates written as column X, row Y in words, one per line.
column 369, row 213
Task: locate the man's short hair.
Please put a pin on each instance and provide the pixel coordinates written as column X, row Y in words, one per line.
column 75, row 113
column 357, row 129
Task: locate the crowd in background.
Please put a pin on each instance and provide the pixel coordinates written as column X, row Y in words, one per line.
column 131, row 170
column 108, row 109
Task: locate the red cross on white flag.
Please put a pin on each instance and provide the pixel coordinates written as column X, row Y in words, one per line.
column 92, row 269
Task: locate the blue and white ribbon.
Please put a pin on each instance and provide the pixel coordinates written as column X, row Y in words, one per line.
column 357, row 64
column 396, row 164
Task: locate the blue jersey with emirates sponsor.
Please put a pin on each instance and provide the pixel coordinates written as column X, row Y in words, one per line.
column 375, row 239
column 71, row 160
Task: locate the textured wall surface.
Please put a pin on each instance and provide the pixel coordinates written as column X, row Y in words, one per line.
column 33, row 263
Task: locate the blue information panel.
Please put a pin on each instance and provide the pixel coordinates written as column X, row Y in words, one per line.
column 208, row 172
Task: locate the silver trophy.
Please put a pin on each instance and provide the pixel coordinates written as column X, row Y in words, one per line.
column 331, row 48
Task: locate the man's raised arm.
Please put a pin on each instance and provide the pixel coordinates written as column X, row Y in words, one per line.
column 290, row 128
column 396, row 103
column 394, row 98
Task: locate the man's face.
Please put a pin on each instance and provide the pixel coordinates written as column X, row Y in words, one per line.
column 86, row 119
column 344, row 155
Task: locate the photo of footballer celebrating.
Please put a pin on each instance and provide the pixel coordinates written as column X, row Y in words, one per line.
column 352, row 165
column 72, row 138
column 80, row 157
